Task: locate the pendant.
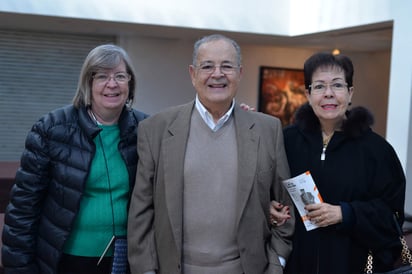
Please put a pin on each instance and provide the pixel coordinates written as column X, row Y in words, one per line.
column 323, row 155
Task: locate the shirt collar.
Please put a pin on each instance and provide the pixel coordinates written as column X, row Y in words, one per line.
column 207, row 117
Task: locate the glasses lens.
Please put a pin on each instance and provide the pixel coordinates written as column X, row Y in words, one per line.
column 101, row 77
column 338, row 87
column 120, row 78
column 320, row 88
column 228, row 69
column 206, row 68
column 210, row 68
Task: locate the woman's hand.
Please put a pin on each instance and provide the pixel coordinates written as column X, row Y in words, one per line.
column 324, row 214
column 279, row 213
column 247, row 107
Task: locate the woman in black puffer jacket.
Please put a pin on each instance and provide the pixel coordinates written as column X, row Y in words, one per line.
column 71, row 191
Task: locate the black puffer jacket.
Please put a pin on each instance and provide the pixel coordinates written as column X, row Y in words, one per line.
column 45, row 198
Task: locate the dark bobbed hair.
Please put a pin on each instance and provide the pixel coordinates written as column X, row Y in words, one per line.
column 102, row 57
column 216, row 37
column 325, row 59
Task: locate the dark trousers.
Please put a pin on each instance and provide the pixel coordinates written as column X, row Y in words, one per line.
column 84, row 265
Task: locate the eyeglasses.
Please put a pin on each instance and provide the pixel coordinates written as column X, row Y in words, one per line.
column 320, row 88
column 120, row 78
column 209, row 68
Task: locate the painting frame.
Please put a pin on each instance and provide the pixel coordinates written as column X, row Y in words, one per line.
column 281, row 92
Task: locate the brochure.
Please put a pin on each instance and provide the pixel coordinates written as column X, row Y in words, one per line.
column 303, row 191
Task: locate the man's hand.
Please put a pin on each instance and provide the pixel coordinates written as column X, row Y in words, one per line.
column 279, row 213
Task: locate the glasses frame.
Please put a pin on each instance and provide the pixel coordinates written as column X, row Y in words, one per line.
column 334, row 89
column 225, row 68
column 111, row 76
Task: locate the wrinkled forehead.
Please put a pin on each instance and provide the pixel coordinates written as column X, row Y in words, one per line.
column 220, row 50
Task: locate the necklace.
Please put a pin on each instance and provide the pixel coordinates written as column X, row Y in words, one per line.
column 94, row 117
column 326, row 139
column 105, row 121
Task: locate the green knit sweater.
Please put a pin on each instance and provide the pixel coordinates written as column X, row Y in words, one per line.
column 106, row 192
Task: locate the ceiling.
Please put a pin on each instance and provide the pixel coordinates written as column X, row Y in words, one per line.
column 366, row 38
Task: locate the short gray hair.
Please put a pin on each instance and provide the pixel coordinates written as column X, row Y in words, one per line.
column 216, row 37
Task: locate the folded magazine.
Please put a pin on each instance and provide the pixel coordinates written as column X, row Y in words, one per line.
column 303, row 191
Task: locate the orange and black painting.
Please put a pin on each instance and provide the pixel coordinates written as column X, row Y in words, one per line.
column 281, row 92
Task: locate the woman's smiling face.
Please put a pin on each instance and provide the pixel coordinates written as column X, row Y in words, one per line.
column 331, row 104
column 110, row 94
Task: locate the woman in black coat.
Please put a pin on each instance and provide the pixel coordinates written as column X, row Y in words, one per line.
column 357, row 172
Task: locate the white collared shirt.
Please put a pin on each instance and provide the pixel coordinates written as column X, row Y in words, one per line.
column 207, row 117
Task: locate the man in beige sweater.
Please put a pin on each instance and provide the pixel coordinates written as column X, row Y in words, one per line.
column 206, row 175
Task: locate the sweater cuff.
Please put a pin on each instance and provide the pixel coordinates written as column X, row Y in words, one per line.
column 348, row 216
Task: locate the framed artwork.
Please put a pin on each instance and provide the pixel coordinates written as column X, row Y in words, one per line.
column 281, row 92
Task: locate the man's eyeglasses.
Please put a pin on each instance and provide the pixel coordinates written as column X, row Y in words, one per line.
column 209, row 68
column 120, row 78
column 320, row 88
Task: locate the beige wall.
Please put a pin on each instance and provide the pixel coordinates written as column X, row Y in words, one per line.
column 371, row 82
column 163, row 78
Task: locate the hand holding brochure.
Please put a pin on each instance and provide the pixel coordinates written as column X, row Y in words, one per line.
column 303, row 191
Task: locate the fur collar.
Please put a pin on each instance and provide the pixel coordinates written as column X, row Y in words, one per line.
column 359, row 120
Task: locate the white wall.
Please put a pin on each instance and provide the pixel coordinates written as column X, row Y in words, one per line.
column 230, row 15
column 276, row 17
column 323, row 15
column 399, row 131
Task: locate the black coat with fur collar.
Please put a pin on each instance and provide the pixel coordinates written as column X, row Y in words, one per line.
column 362, row 173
